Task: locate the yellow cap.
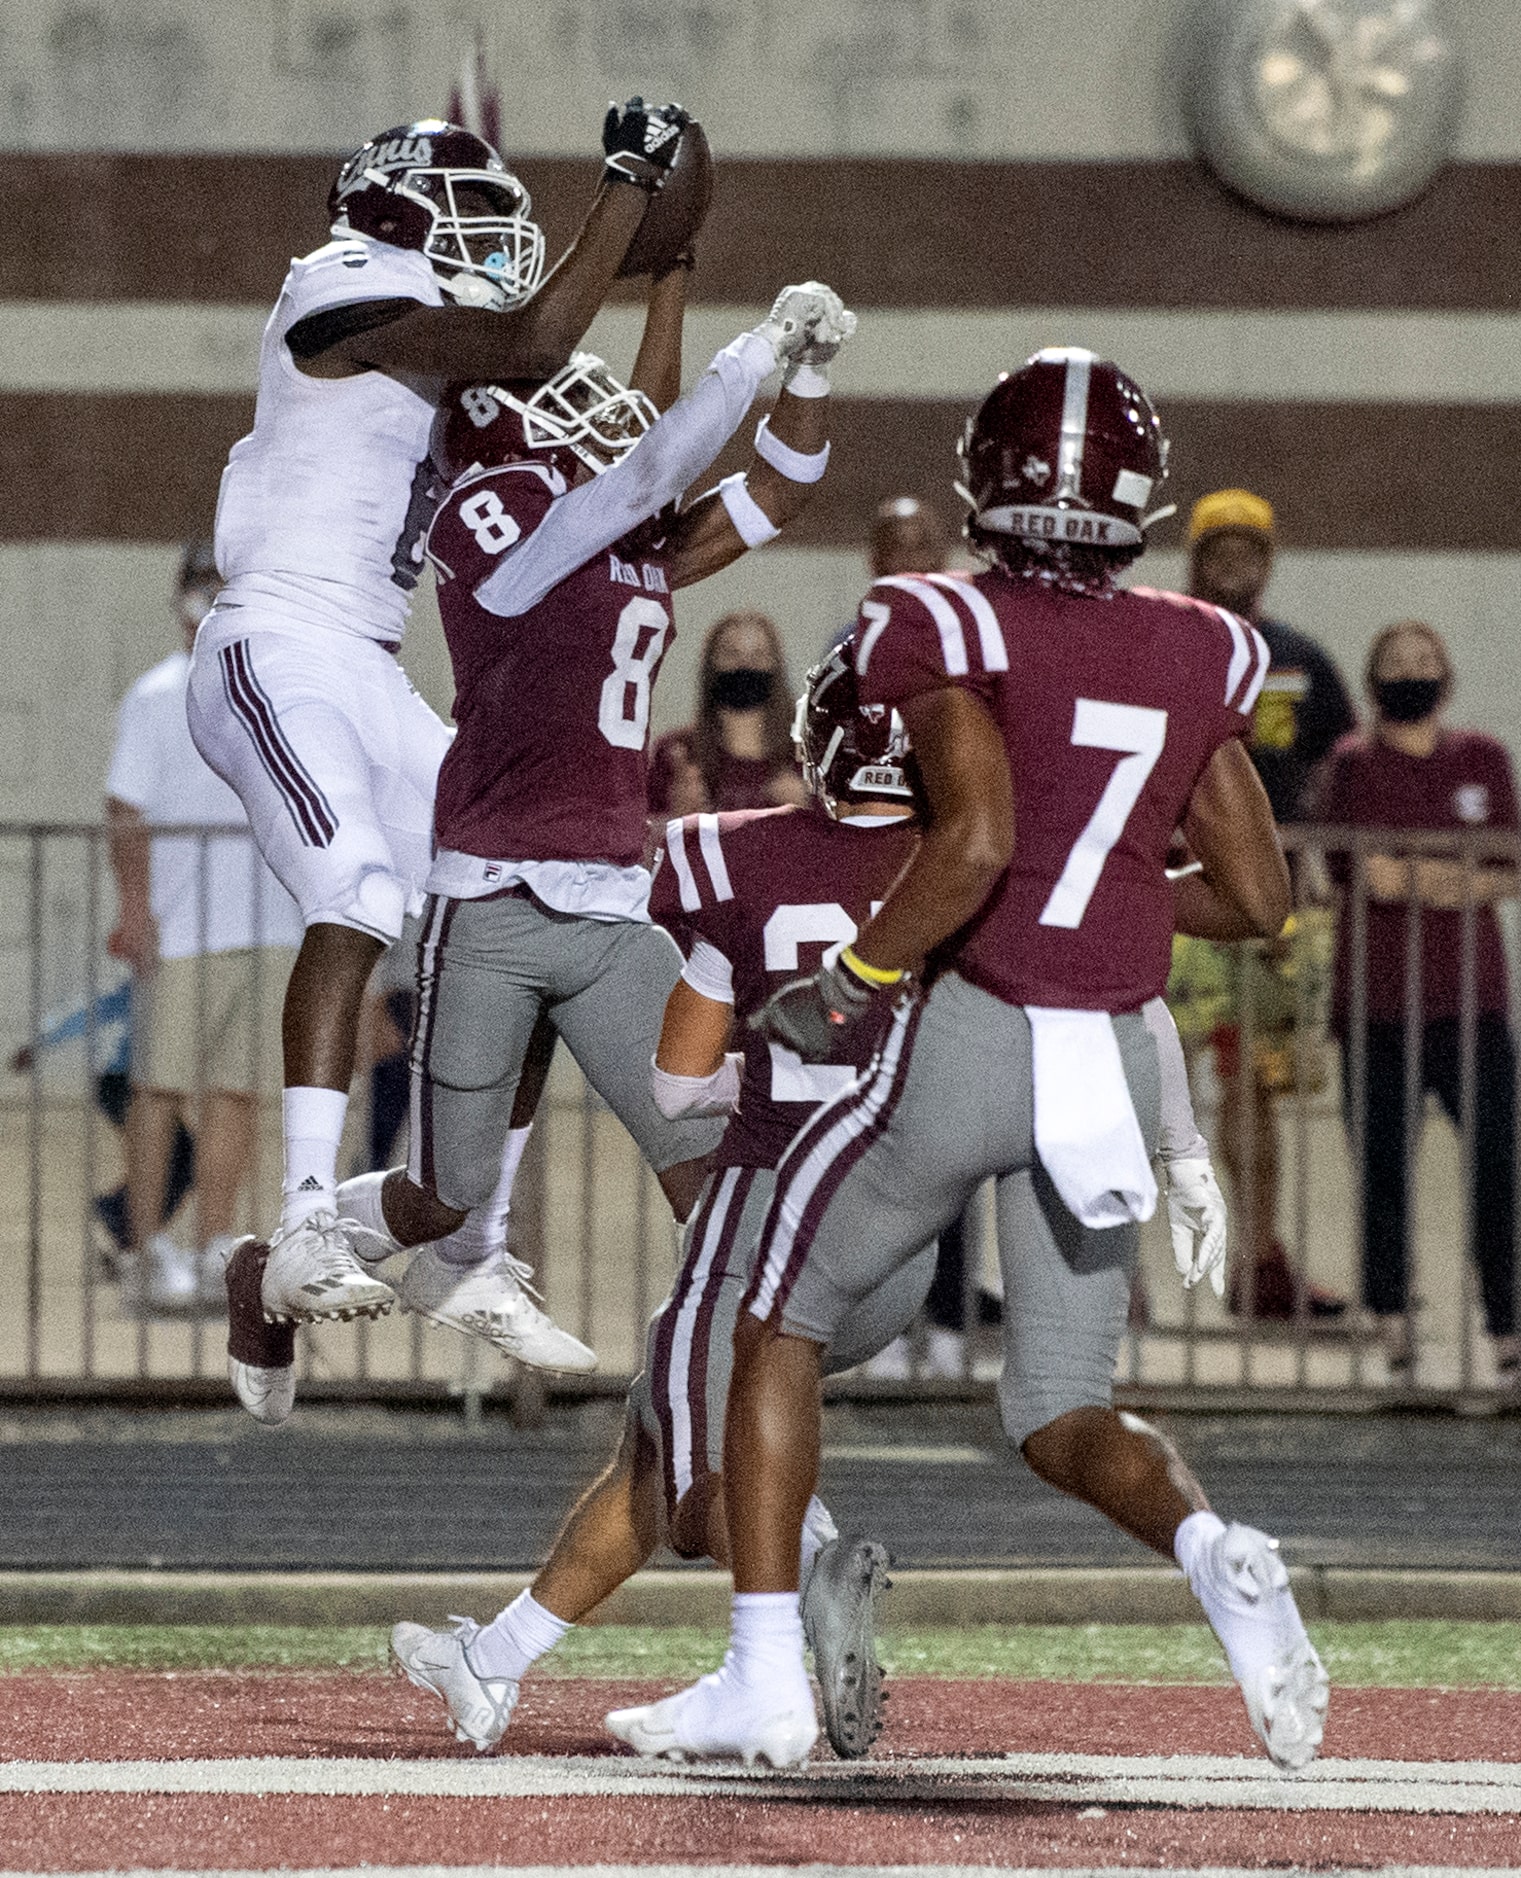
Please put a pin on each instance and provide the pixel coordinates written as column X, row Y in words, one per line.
column 1230, row 508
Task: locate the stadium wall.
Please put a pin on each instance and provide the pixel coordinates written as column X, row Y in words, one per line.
column 165, row 160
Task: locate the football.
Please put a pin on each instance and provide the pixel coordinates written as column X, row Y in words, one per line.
column 677, row 212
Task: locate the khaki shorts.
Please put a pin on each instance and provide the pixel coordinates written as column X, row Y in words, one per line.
column 211, row 1022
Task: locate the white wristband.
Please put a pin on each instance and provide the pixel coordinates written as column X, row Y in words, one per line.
column 806, row 380
column 796, row 465
column 751, row 522
column 696, row 1096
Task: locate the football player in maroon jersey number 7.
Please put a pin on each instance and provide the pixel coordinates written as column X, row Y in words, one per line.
column 1064, row 729
column 557, row 552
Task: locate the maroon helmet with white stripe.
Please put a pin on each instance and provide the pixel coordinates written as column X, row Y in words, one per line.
column 442, row 190
column 849, row 751
column 1065, row 453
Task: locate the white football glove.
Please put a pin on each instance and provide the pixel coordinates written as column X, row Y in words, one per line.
column 802, row 315
column 1196, row 1214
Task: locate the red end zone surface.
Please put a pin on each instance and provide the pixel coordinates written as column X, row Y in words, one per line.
column 119, row 1717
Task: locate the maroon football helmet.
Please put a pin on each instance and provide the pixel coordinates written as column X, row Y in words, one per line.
column 849, row 751
column 1065, row 452
column 581, row 415
column 445, row 192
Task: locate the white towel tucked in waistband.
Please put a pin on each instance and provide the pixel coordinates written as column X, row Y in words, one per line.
column 1086, row 1133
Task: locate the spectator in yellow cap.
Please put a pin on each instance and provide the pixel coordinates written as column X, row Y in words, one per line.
column 1302, row 710
column 1304, row 706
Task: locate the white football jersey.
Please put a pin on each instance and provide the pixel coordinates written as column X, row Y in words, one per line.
column 324, row 505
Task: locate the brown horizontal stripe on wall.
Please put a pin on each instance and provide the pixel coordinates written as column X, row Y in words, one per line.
column 1340, row 475
column 888, row 232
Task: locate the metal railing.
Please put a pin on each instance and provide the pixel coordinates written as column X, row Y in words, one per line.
column 593, row 1222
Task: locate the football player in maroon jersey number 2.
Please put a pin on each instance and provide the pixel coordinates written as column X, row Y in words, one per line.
column 1064, row 729
column 557, row 553
column 432, row 278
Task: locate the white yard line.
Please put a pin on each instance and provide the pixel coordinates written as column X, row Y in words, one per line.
column 1067, row 1779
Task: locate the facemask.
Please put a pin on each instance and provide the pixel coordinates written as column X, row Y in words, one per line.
column 742, row 690
column 1407, row 700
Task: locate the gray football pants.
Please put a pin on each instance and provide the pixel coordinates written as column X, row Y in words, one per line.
column 889, row 1164
column 485, row 968
column 680, row 1396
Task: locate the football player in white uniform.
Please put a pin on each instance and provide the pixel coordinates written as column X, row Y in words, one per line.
column 432, row 277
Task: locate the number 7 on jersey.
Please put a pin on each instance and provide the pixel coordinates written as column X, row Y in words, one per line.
column 1140, row 733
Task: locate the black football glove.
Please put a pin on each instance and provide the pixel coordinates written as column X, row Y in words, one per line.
column 817, row 1017
column 640, row 142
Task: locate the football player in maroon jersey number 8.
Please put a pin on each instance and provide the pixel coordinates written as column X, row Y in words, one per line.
column 747, row 896
column 557, row 554
column 1064, row 729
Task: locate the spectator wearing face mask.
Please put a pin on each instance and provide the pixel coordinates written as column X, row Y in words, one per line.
column 738, row 753
column 1412, row 771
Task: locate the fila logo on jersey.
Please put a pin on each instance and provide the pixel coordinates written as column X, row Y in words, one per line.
column 651, row 580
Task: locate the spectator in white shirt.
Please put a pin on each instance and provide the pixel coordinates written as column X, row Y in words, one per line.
column 209, row 934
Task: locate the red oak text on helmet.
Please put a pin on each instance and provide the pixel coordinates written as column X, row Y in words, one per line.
column 1067, row 451
column 847, row 751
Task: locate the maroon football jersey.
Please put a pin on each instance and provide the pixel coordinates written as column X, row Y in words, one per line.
column 1110, row 706
column 553, row 707
column 775, row 890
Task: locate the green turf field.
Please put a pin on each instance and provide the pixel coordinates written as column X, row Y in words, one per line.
column 1390, row 1655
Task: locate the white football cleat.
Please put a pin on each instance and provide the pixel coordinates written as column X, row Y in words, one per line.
column 313, row 1273
column 479, row 1707
column 492, row 1301
column 269, row 1395
column 712, row 1721
column 1252, row 1611
column 839, row 1611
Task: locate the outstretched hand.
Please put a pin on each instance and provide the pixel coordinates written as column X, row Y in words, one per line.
column 640, row 142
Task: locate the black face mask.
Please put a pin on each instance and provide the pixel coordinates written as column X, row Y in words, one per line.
column 744, row 689
column 1407, row 700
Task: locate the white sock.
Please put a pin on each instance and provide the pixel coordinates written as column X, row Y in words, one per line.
column 359, row 1199
column 1191, row 1543
column 313, row 1129
column 1254, row 1623
column 515, row 1640
column 766, row 1640
column 484, row 1232
column 818, row 1530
